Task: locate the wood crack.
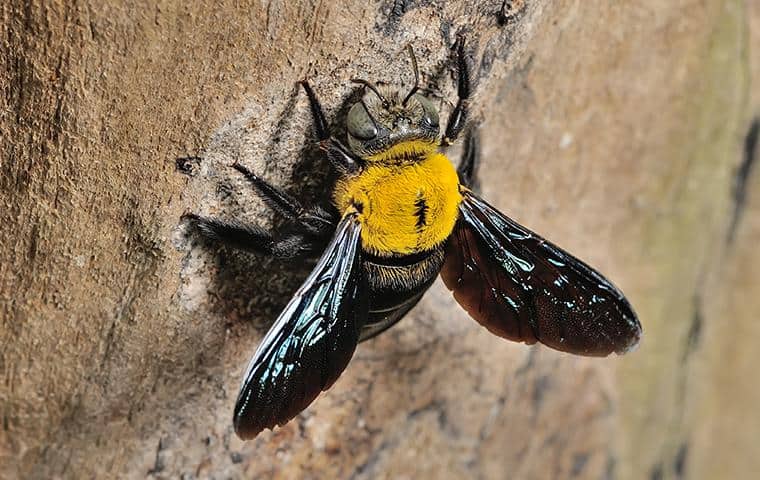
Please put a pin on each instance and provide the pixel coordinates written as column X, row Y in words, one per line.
column 742, row 175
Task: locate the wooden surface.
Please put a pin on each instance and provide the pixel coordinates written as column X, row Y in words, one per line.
column 621, row 132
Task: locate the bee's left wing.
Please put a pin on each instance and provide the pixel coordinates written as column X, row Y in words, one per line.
column 524, row 288
column 311, row 341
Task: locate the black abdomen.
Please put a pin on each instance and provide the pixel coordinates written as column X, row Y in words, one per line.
column 395, row 285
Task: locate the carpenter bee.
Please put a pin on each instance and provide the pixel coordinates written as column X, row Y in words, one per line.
column 401, row 215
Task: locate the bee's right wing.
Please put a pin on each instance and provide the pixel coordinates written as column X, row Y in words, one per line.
column 524, row 288
column 311, row 341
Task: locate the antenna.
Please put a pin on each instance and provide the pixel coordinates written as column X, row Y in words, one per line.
column 372, row 87
column 416, row 75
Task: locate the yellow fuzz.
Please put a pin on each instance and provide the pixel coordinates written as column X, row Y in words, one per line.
column 401, row 150
column 403, row 209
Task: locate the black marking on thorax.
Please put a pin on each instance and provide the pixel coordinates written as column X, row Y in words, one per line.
column 421, row 211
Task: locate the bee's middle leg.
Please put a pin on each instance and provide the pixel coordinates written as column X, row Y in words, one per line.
column 468, row 165
column 314, row 221
column 275, row 198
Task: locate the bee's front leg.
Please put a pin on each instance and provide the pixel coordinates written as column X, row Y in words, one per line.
column 338, row 154
column 458, row 117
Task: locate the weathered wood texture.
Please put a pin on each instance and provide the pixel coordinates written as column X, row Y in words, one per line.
column 618, row 129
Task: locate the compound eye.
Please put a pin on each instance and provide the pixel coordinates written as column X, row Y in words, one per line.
column 360, row 125
column 430, row 115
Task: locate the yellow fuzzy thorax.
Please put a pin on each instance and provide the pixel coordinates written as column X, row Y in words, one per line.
column 403, row 209
column 411, row 148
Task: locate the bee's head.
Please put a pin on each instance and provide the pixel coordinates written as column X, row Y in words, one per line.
column 385, row 117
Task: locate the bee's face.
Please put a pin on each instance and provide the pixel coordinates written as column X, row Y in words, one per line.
column 377, row 122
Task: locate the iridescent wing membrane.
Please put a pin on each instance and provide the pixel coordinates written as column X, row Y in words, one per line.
column 311, row 341
column 524, row 288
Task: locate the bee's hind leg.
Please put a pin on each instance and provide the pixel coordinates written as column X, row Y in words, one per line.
column 303, row 238
column 305, row 232
column 468, row 165
column 231, row 233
